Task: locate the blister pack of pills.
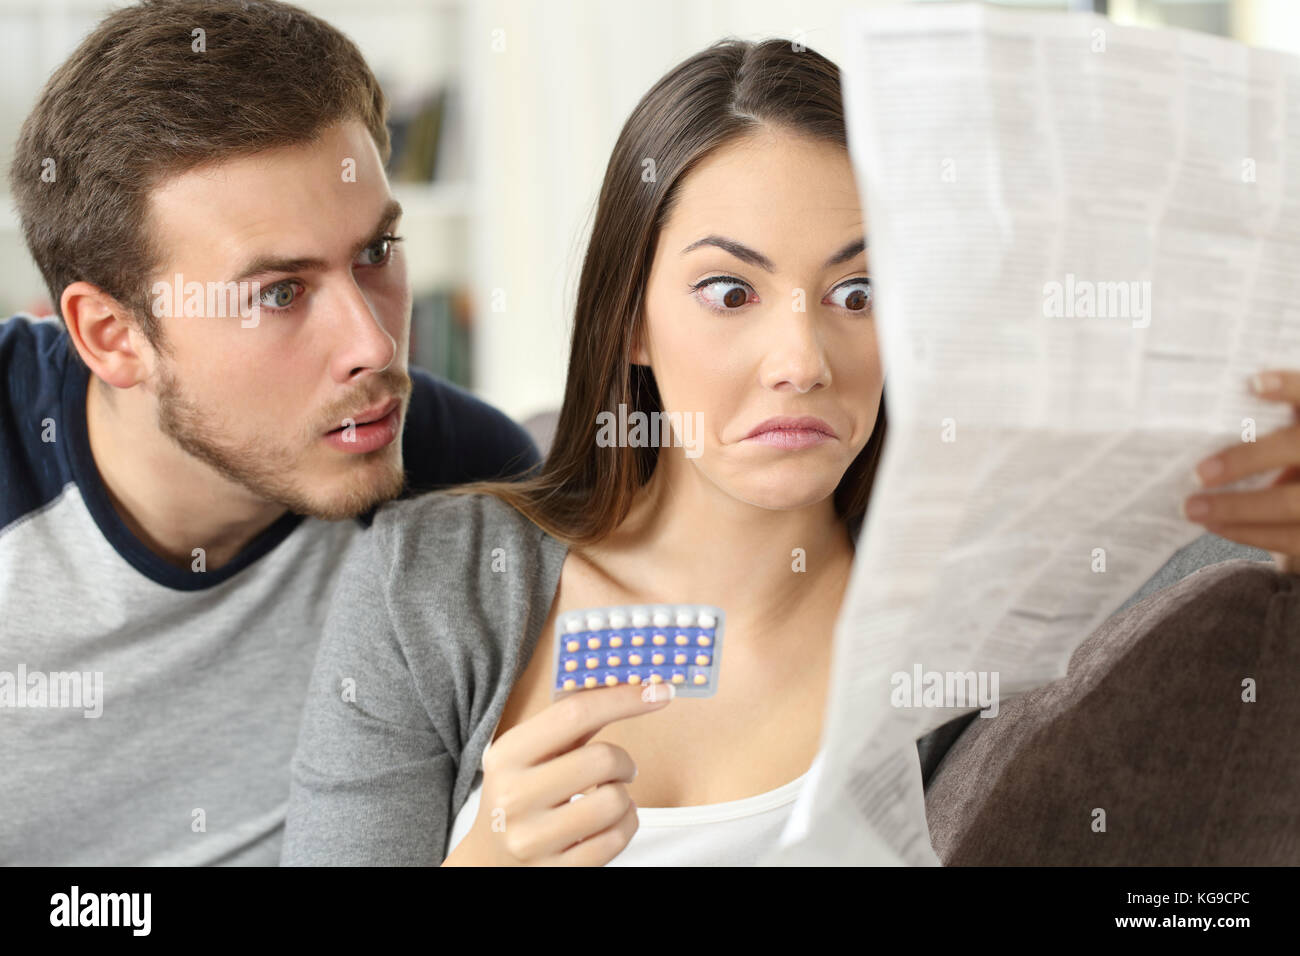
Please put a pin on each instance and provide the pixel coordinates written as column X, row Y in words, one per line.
column 678, row 644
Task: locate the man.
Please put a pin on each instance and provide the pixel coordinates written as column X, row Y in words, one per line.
column 189, row 454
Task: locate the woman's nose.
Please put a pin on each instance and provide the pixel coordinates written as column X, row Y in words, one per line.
column 797, row 358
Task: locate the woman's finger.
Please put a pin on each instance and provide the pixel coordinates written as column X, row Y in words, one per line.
column 591, row 765
column 1275, row 505
column 1281, row 385
column 572, row 721
column 1278, row 449
column 579, row 820
column 599, row 849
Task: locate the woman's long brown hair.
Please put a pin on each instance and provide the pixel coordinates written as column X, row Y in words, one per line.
column 582, row 491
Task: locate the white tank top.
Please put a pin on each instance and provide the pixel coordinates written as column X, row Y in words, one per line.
column 735, row 833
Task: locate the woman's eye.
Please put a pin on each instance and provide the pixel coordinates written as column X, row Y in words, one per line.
column 855, row 296
column 279, row 296
column 722, row 293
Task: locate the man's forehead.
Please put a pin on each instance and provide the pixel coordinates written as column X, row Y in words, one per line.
column 295, row 197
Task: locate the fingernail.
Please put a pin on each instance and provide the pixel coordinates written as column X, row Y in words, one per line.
column 1265, row 382
column 1208, row 470
column 1195, row 508
column 656, row 693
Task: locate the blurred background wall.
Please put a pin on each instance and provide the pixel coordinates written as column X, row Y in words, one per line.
column 504, row 115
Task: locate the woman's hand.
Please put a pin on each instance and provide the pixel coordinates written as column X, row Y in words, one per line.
column 525, row 815
column 1268, row 518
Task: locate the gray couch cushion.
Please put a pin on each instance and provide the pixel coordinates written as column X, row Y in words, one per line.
column 1150, row 726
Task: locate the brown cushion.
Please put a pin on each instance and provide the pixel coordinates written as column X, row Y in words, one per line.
column 1149, row 725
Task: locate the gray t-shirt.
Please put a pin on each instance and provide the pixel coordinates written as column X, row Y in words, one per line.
column 437, row 614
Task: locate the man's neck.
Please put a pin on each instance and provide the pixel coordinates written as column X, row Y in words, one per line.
column 170, row 500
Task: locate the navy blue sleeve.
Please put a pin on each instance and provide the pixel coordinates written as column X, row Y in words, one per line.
column 450, row 437
column 33, row 359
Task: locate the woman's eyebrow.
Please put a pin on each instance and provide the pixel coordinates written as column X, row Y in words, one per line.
column 847, row 253
column 746, row 254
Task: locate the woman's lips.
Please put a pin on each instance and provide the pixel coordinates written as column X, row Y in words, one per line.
column 792, row 433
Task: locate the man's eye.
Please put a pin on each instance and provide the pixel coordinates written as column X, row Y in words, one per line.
column 377, row 253
column 723, row 293
column 279, row 296
column 854, row 295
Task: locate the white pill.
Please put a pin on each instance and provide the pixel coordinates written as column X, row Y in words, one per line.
column 617, row 619
column 595, row 622
column 707, row 619
column 661, row 618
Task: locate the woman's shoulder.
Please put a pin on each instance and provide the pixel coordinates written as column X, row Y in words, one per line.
column 450, row 548
column 446, row 519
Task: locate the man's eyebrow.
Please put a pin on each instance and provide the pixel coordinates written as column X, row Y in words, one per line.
column 746, row 254
column 267, row 264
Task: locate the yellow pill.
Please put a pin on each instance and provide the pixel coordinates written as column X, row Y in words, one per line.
column 702, row 640
column 571, row 646
column 616, row 642
column 660, row 639
column 656, row 659
column 590, row 682
column 637, row 640
column 593, row 643
column 701, row 679
column 683, row 639
column 679, row 678
column 656, row 679
column 570, row 684
column 702, row 660
column 593, row 662
column 570, row 665
column 611, row 680
column 679, row 658
column 634, row 659
column 613, row 660
column 633, row 679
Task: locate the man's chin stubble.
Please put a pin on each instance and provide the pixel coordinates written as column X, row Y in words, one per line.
column 255, row 469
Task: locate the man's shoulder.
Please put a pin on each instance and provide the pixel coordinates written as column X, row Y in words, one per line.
column 34, row 357
column 451, row 437
column 31, row 351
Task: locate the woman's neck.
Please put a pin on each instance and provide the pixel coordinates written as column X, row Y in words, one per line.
column 687, row 541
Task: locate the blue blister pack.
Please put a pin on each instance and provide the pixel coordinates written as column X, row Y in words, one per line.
column 679, row 644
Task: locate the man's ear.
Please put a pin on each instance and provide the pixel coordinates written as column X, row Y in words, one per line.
column 105, row 335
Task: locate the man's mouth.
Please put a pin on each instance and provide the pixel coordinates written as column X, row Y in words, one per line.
column 369, row 415
column 368, row 430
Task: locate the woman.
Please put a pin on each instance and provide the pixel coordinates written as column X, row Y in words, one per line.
column 727, row 282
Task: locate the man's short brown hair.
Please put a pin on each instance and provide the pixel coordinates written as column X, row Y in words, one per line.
column 146, row 97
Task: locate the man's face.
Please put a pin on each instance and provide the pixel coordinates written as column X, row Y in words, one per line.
column 256, row 396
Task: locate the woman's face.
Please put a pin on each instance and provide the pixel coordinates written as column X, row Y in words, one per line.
column 758, row 308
